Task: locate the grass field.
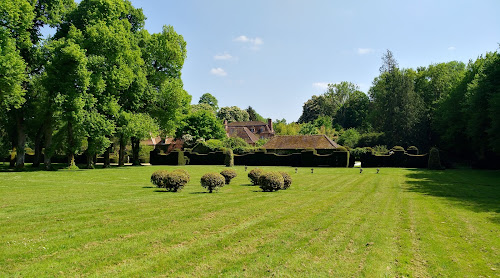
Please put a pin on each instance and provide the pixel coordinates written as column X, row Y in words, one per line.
column 335, row 222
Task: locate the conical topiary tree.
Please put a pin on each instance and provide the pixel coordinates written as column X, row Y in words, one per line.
column 434, row 160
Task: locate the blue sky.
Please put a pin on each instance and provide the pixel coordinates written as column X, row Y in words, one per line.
column 274, row 55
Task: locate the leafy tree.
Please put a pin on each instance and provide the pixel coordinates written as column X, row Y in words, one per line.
column 349, row 138
column 313, row 108
column 209, row 99
column 396, row 107
column 202, row 106
column 201, row 125
column 254, row 116
column 232, row 114
column 308, row 129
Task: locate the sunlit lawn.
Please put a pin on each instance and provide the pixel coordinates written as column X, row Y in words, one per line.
column 335, row 222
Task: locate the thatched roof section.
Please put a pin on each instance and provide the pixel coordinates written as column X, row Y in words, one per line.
column 288, row 142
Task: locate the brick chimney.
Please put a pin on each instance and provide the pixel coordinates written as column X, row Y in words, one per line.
column 270, row 124
column 225, row 125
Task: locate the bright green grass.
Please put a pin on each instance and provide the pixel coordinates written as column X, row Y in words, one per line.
column 335, row 222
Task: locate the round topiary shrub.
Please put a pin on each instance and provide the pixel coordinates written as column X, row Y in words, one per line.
column 183, row 171
column 228, row 175
column 254, row 175
column 398, row 148
column 172, row 181
column 212, row 181
column 287, row 179
column 434, row 162
column 175, row 181
column 158, row 177
column 271, row 181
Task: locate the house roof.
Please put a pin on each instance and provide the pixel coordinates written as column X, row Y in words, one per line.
column 301, row 142
column 243, row 132
column 249, row 123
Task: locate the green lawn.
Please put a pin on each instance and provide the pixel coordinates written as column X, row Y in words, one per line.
column 335, row 222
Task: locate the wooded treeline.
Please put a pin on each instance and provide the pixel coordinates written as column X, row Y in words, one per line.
column 453, row 106
column 101, row 78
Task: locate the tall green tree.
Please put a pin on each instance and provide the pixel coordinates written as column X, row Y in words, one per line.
column 397, row 109
column 201, row 125
column 209, row 99
column 232, row 114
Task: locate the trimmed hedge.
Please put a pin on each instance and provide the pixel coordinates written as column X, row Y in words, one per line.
column 397, row 159
column 212, row 181
column 254, row 175
column 228, row 175
column 183, row 171
column 271, row 181
column 412, row 150
column 229, row 158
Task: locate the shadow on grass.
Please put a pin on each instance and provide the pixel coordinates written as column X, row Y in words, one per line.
column 477, row 190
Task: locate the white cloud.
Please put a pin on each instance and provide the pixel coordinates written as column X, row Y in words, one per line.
column 254, row 42
column 320, row 85
column 363, row 51
column 218, row 72
column 451, row 48
column 225, row 56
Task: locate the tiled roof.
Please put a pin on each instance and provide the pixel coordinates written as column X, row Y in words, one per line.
column 301, row 142
column 243, row 132
column 250, row 123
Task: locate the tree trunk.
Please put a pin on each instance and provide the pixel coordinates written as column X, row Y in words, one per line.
column 38, row 148
column 12, row 156
column 71, row 144
column 121, row 152
column 21, row 141
column 90, row 156
column 106, row 157
column 135, row 151
column 47, row 155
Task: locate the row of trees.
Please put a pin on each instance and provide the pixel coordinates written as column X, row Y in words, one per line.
column 450, row 105
column 101, row 76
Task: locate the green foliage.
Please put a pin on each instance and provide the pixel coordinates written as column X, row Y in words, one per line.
column 371, row 139
column 358, row 152
column 171, row 181
column 228, row 175
column 235, row 142
column 229, row 158
column 282, row 128
column 349, row 138
column 232, row 114
column 287, row 180
column 271, row 181
column 254, row 116
column 254, row 175
column 212, row 181
column 12, row 73
column 214, row 144
column 261, row 142
column 308, row 129
column 183, row 171
column 201, row 125
column 340, row 149
column 398, row 148
column 434, row 160
column 380, row 149
column 210, row 100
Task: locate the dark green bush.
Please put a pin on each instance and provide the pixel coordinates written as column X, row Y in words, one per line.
column 229, row 158
column 271, row 181
column 358, row 152
column 212, row 181
column 371, row 139
column 228, row 175
column 172, row 181
column 254, row 175
column 287, row 179
column 398, row 148
column 434, row 160
column 369, row 150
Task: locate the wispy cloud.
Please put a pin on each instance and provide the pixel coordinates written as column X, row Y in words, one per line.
column 254, row 43
column 225, row 56
column 452, row 48
column 320, row 85
column 218, row 72
column 363, row 51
